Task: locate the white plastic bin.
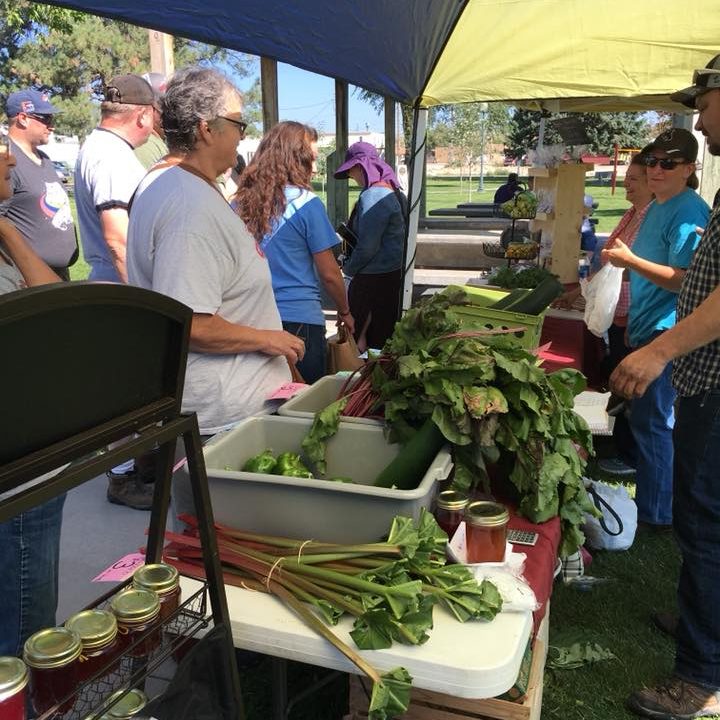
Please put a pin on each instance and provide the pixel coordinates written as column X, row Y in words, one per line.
column 317, row 397
column 308, row 508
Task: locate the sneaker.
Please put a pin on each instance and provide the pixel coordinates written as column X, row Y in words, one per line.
column 675, row 700
column 127, row 489
column 665, row 622
column 615, row 466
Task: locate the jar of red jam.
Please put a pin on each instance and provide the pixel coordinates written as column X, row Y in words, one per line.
column 449, row 510
column 13, row 684
column 52, row 657
column 485, row 531
column 137, row 613
column 165, row 581
column 98, row 633
column 129, row 705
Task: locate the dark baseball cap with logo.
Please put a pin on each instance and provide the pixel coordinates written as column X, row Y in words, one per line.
column 676, row 143
column 708, row 78
column 129, row 90
column 29, row 101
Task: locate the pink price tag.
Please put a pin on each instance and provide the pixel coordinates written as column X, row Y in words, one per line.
column 286, row 391
column 121, row 569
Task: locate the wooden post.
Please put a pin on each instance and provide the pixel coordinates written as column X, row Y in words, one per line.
column 269, row 89
column 390, row 158
column 161, row 53
column 337, row 195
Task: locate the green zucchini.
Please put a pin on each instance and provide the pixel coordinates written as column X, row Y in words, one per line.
column 510, row 299
column 538, row 299
column 406, row 471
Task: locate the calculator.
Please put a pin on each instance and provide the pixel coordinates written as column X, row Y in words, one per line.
column 522, row 537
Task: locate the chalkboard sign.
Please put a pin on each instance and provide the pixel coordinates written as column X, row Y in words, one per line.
column 571, row 130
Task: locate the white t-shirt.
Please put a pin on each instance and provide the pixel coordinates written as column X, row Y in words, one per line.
column 106, row 175
column 185, row 241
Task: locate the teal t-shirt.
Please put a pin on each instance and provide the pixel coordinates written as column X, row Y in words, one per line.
column 668, row 237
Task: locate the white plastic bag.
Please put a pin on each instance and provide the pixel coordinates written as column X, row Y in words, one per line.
column 601, row 294
column 619, row 528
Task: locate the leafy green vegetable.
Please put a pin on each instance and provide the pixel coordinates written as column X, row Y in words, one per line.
column 527, row 278
column 262, row 463
column 324, row 426
column 577, row 655
column 391, row 696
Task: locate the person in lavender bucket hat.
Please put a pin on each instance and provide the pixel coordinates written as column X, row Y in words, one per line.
column 378, row 223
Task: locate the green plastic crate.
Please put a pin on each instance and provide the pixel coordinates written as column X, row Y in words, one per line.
column 478, row 316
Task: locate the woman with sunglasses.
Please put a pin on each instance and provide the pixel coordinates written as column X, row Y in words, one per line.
column 29, row 542
column 293, row 231
column 660, row 255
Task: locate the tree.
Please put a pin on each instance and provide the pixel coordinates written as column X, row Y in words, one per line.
column 72, row 59
column 603, row 130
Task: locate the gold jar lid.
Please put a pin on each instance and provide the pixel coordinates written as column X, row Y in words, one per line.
column 52, row 648
column 96, row 628
column 133, row 606
column 159, row 577
column 13, row 676
column 132, row 703
column 484, row 513
column 452, row 500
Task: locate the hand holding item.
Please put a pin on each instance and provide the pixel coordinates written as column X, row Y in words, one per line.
column 619, row 254
column 632, row 376
column 346, row 319
column 279, row 342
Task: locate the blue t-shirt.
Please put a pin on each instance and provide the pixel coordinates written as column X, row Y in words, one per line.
column 667, row 236
column 379, row 224
column 303, row 229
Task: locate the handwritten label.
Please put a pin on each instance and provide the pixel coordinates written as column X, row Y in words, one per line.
column 121, row 569
column 286, row 391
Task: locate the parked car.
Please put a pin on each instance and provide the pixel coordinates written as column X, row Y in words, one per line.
column 63, row 170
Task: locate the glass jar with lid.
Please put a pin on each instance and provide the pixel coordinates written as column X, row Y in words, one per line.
column 52, row 657
column 449, row 510
column 137, row 613
column 165, row 581
column 13, row 688
column 98, row 633
column 129, row 705
column 486, row 531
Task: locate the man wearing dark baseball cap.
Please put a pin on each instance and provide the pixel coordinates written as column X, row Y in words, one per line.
column 693, row 347
column 106, row 175
column 155, row 148
column 39, row 206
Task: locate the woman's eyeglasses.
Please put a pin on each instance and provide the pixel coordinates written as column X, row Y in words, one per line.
column 664, row 163
column 242, row 126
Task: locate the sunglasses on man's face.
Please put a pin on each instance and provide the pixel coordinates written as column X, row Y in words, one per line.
column 46, row 120
column 241, row 126
column 664, row 163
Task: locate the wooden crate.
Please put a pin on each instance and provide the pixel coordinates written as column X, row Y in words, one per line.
column 427, row 705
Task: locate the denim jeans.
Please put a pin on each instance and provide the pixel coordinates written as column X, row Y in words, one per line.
column 314, row 365
column 652, row 419
column 697, row 530
column 29, row 558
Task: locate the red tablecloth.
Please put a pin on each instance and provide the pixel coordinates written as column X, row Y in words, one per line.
column 541, row 560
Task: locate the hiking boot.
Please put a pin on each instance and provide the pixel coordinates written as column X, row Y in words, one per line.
column 675, row 700
column 615, row 466
column 127, row 489
column 665, row 622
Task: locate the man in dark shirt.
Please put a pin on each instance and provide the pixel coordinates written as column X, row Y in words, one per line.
column 39, row 207
column 507, row 191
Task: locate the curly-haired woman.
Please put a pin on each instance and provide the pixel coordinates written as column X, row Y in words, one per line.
column 292, row 230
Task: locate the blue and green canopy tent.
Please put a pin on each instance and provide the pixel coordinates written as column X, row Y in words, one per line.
column 577, row 55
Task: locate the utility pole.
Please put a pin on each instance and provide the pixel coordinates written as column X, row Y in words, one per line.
column 161, row 53
column 483, row 128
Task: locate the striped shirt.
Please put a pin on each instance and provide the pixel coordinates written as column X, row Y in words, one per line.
column 699, row 370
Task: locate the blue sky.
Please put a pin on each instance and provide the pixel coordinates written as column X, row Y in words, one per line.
column 310, row 99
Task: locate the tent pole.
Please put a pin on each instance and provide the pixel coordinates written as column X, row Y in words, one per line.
column 416, row 167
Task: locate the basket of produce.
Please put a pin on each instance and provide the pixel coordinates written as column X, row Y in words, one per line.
column 522, row 251
column 529, row 277
column 522, row 310
column 522, row 206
